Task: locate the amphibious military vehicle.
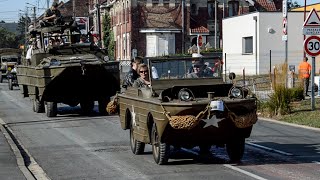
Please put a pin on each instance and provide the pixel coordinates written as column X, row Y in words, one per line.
column 187, row 111
column 62, row 70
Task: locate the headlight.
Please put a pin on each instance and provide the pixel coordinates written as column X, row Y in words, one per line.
column 236, row 92
column 185, row 95
column 9, row 68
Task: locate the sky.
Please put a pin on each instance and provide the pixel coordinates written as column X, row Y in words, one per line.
column 9, row 9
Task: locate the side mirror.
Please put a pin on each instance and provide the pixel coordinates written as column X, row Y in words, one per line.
column 232, row 76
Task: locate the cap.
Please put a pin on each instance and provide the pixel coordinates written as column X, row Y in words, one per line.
column 199, row 64
column 196, row 55
column 55, row 4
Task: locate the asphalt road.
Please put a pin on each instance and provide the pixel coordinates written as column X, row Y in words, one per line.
column 73, row 146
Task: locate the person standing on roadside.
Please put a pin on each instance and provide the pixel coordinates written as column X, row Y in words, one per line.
column 304, row 74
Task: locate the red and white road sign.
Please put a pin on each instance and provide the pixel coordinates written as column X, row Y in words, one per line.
column 199, row 40
column 312, row 46
column 284, row 25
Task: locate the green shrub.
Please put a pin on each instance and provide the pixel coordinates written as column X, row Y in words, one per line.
column 297, row 93
column 279, row 102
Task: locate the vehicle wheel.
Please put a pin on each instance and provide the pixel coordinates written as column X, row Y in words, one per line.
column 10, row 84
column 38, row 106
column 160, row 150
column 1, row 78
column 103, row 105
column 87, row 106
column 137, row 147
column 51, row 109
column 235, row 149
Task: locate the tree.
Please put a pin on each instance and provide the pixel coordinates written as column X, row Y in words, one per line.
column 2, row 21
column 108, row 39
column 292, row 5
column 7, row 39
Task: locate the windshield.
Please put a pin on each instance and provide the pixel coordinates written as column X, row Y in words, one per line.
column 9, row 59
column 185, row 68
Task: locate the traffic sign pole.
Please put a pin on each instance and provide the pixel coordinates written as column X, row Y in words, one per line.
column 313, row 104
column 285, row 24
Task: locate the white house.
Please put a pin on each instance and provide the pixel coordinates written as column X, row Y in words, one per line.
column 248, row 40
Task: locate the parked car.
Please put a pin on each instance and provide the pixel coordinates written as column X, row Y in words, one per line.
column 179, row 110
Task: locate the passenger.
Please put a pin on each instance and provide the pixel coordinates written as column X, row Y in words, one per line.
column 132, row 75
column 143, row 80
column 50, row 16
column 83, row 39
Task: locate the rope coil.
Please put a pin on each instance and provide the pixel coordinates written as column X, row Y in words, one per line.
column 113, row 106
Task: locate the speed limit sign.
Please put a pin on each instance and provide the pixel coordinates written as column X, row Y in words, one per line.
column 312, row 46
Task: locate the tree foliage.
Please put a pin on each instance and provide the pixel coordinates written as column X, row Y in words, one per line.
column 108, row 39
column 7, row 39
column 292, row 5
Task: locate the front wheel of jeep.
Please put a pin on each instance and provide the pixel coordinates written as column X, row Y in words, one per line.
column 160, row 150
column 235, row 149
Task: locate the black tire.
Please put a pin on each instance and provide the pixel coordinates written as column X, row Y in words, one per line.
column 160, row 150
column 38, row 106
column 51, row 109
column 10, row 84
column 87, row 106
column 137, row 147
column 102, row 103
column 235, row 149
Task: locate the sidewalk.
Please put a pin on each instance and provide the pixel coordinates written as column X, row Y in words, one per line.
column 9, row 168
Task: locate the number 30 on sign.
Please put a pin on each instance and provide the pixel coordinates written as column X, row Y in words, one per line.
column 312, row 46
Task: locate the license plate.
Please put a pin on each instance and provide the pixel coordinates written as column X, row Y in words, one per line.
column 217, row 106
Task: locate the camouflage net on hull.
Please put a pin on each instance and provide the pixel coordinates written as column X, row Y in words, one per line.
column 113, row 106
column 185, row 122
column 243, row 121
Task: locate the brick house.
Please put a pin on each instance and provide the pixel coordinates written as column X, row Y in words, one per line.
column 162, row 27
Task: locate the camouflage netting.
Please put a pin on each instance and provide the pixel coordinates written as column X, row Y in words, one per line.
column 186, row 122
column 112, row 107
column 243, row 121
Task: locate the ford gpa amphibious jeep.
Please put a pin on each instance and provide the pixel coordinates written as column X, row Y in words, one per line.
column 9, row 58
column 178, row 110
column 66, row 71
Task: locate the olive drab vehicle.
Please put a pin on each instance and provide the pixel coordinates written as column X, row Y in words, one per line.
column 183, row 111
column 66, row 71
column 9, row 58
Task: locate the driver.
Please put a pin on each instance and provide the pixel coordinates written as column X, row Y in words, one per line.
column 199, row 69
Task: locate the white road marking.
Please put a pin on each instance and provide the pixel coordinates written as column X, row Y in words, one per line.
column 316, row 162
column 269, row 149
column 244, row 172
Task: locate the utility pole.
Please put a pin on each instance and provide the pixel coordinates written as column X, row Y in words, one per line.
column 98, row 18
column 26, row 27
column 34, row 17
column 74, row 9
column 48, row 1
column 215, row 23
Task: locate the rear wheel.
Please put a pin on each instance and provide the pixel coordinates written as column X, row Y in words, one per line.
column 235, row 149
column 137, row 147
column 38, row 106
column 102, row 103
column 51, row 109
column 10, row 84
column 87, row 106
column 160, row 150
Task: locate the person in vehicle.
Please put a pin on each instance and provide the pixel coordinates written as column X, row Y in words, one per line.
column 195, row 58
column 51, row 15
column 132, row 75
column 143, row 80
column 200, row 70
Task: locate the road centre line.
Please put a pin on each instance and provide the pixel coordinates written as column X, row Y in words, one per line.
column 269, row 149
column 244, row 172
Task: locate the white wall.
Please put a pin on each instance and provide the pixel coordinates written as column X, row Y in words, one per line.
column 235, row 28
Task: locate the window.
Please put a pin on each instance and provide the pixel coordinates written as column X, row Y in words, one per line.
column 247, row 45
